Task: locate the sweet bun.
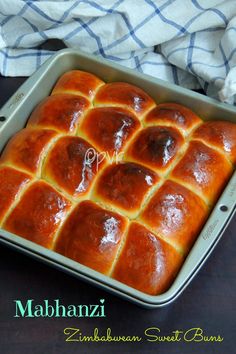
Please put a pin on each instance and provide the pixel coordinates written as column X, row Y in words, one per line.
column 61, row 112
column 124, row 186
column 92, row 236
column 171, row 213
column 173, row 114
column 219, row 134
column 70, row 167
column 78, row 82
column 124, row 95
column 38, row 214
column 27, row 148
column 109, row 128
column 203, row 170
column 147, row 262
column 156, row 147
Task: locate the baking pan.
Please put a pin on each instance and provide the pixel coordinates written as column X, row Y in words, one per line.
column 15, row 113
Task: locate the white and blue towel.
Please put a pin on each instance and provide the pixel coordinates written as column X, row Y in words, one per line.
column 189, row 42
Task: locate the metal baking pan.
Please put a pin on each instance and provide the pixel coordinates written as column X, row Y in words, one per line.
column 16, row 112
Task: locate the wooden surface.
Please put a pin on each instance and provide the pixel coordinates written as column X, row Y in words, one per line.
column 209, row 302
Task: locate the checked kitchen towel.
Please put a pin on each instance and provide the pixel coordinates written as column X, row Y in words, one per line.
column 189, row 42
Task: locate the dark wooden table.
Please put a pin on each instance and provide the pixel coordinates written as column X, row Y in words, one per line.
column 209, row 302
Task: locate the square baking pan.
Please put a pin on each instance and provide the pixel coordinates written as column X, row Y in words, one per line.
column 14, row 115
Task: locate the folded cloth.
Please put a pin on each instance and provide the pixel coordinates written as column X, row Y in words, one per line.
column 189, row 42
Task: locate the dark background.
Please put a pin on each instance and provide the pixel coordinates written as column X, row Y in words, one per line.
column 209, row 302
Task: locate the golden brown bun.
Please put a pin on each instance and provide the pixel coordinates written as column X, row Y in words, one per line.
column 176, row 214
column 125, row 95
column 26, row 149
column 204, row 170
column 38, row 214
column 91, row 236
column 156, row 147
column 147, row 263
column 109, row 128
column 79, row 83
column 124, row 187
column 219, row 134
column 68, row 165
column 61, row 112
column 173, row 114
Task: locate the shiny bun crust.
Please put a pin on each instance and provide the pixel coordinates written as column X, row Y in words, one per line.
column 108, row 178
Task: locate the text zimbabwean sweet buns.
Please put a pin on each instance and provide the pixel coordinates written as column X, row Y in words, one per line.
column 105, row 176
